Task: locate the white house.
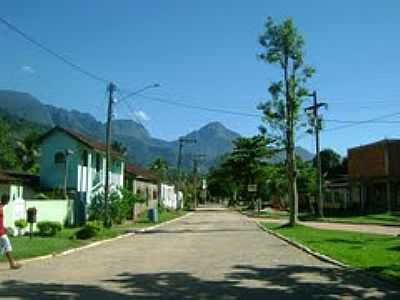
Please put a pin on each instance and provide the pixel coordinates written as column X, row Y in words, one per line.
column 73, row 162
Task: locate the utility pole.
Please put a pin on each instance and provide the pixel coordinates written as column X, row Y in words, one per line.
column 111, row 89
column 317, row 127
column 182, row 142
column 196, row 159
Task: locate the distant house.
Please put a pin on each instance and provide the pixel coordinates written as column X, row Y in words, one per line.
column 142, row 182
column 374, row 176
column 14, row 188
column 72, row 160
column 337, row 194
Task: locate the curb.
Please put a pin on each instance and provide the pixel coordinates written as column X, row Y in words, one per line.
column 316, row 254
column 324, row 258
column 97, row 243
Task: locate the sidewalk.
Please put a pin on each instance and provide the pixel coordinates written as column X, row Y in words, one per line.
column 364, row 228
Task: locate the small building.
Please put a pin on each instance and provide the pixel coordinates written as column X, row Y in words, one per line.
column 15, row 209
column 337, row 194
column 72, row 161
column 144, row 183
column 374, row 176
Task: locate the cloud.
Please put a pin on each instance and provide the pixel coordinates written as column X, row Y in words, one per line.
column 28, row 69
column 141, row 116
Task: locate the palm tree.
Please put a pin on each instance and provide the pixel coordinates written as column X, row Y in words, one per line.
column 160, row 167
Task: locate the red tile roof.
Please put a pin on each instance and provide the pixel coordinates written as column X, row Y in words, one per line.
column 6, row 178
column 140, row 172
column 18, row 176
column 91, row 143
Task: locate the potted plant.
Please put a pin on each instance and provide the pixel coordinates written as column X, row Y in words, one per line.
column 21, row 225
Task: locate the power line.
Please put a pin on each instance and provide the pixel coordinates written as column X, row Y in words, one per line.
column 198, row 107
column 53, row 53
column 356, row 123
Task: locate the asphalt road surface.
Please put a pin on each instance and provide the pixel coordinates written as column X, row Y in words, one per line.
column 207, row 255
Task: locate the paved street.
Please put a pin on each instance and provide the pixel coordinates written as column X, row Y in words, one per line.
column 208, row 255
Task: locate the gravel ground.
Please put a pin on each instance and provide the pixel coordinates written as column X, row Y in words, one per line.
column 208, row 255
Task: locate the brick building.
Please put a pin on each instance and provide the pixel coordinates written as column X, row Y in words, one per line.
column 374, row 176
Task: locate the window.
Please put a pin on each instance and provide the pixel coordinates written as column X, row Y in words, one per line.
column 98, row 162
column 59, row 158
column 84, row 158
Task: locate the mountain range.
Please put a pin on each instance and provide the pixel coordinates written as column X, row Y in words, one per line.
column 213, row 139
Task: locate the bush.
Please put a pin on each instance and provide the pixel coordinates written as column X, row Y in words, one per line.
column 91, row 229
column 21, row 224
column 120, row 205
column 48, row 228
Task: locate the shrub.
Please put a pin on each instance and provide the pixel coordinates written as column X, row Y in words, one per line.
column 48, row 228
column 91, row 229
column 21, row 224
column 120, row 205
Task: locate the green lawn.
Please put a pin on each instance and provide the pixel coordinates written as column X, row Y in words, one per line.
column 377, row 253
column 38, row 246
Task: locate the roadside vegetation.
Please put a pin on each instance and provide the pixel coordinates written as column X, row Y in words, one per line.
column 376, row 253
column 65, row 239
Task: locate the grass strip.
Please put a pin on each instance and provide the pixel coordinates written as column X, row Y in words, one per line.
column 372, row 252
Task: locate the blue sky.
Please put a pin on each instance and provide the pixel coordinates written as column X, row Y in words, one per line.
column 204, row 53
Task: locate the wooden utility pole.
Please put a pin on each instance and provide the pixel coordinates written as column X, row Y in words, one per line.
column 317, row 127
column 107, row 218
column 196, row 159
column 182, row 142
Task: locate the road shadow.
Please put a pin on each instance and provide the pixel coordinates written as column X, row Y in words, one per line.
column 244, row 282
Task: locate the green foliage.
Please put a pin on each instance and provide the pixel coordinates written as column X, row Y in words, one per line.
column 242, row 167
column 48, row 228
column 8, row 159
column 284, row 47
column 121, row 204
column 19, row 143
column 331, row 163
column 119, row 147
column 21, row 223
column 27, row 151
column 160, row 167
column 89, row 230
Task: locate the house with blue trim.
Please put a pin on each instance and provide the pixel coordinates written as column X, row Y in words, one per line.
column 76, row 164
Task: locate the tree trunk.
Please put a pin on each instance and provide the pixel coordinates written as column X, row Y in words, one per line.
column 290, row 149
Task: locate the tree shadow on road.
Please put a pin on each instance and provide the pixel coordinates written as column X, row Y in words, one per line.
column 244, row 282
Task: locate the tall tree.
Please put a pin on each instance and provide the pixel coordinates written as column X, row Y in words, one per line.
column 284, row 46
